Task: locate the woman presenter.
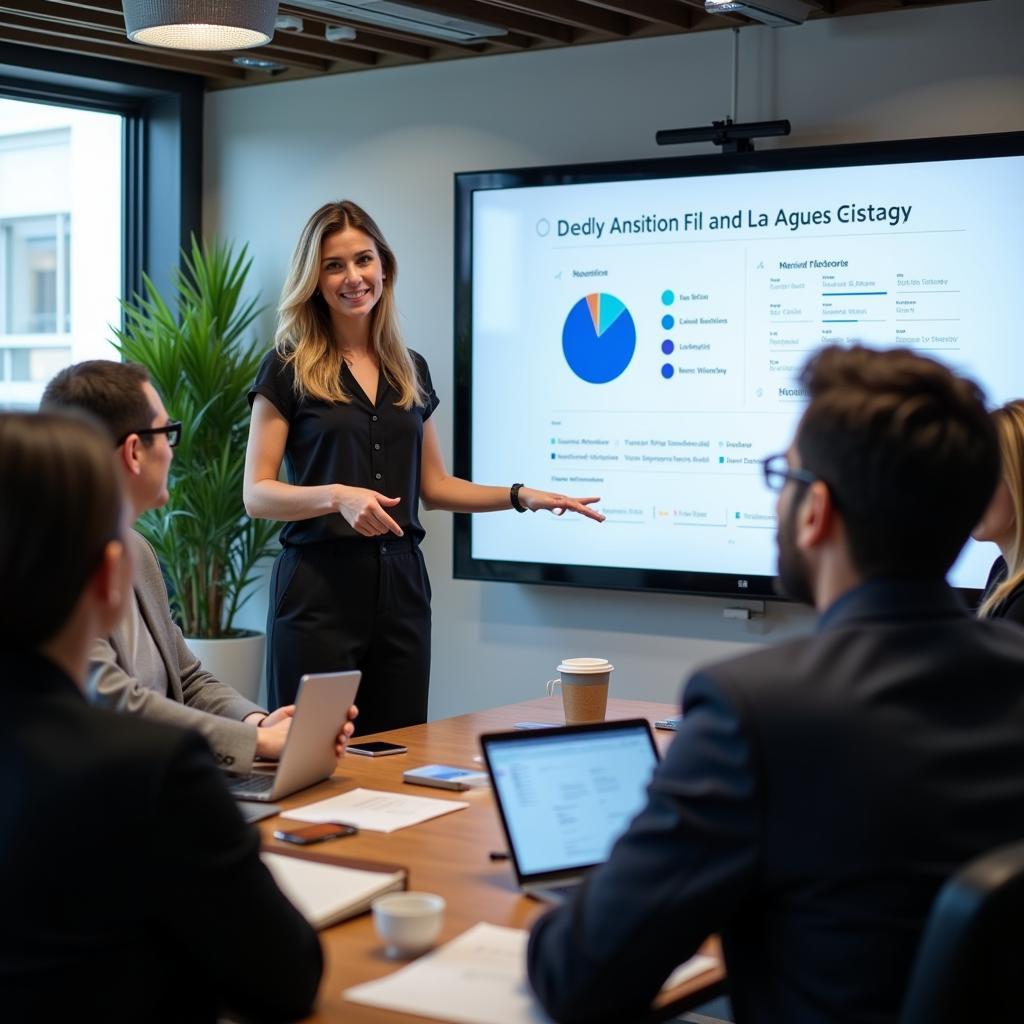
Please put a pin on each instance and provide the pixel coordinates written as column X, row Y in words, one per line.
column 347, row 407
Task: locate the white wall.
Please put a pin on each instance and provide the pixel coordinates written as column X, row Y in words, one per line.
column 392, row 139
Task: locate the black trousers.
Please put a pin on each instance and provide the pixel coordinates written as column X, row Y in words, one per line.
column 362, row 603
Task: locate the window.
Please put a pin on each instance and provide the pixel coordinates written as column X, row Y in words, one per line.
column 60, row 242
column 100, row 182
column 37, row 274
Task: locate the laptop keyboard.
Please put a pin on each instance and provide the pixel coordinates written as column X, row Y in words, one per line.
column 562, row 892
column 249, row 786
column 550, row 893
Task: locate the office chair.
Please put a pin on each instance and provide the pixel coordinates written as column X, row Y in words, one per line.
column 970, row 964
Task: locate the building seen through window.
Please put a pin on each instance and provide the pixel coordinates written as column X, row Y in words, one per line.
column 60, row 242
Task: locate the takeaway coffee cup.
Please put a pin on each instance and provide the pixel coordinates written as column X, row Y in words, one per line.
column 584, row 686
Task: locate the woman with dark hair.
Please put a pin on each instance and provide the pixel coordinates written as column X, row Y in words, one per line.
column 1003, row 521
column 132, row 889
column 347, row 407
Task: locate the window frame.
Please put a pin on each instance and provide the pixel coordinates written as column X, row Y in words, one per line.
column 161, row 188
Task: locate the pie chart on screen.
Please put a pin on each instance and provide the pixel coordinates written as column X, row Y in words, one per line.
column 599, row 338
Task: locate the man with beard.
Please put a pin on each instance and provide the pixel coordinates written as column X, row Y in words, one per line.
column 819, row 792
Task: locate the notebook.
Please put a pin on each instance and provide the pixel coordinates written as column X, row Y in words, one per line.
column 326, row 893
column 565, row 795
column 321, row 709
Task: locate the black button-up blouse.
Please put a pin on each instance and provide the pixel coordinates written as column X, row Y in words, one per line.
column 362, row 443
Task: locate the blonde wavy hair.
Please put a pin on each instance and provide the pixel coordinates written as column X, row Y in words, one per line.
column 304, row 337
column 1009, row 421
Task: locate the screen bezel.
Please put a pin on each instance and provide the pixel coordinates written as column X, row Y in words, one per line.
column 465, row 566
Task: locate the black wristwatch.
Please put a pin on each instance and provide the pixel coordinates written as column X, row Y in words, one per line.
column 513, row 494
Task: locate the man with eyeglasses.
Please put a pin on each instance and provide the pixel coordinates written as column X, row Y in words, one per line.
column 145, row 666
column 819, row 792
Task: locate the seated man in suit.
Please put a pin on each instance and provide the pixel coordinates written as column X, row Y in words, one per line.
column 145, row 667
column 132, row 889
column 819, row 792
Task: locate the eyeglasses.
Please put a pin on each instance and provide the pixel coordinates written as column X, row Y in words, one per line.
column 172, row 430
column 777, row 471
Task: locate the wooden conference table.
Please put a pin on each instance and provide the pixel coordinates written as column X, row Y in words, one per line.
column 447, row 855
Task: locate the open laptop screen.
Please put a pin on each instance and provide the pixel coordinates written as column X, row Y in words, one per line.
column 566, row 795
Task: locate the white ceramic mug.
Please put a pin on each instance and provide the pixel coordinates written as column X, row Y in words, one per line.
column 583, row 683
column 408, row 922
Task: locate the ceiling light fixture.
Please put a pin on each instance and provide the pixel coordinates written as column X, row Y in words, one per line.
column 200, row 24
column 339, row 33
column 420, row 21
column 289, row 23
column 769, row 12
column 260, row 64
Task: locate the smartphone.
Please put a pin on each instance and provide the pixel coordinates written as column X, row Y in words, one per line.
column 446, row 776
column 534, row 725
column 315, row 833
column 672, row 724
column 376, row 748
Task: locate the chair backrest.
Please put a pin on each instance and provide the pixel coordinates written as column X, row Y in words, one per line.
column 970, row 964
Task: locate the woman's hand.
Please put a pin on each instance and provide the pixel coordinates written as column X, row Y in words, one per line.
column 341, row 743
column 364, row 511
column 558, row 503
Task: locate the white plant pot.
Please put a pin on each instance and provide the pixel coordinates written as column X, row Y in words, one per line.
column 237, row 661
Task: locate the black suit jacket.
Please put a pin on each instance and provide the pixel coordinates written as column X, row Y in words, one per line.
column 130, row 887
column 817, row 795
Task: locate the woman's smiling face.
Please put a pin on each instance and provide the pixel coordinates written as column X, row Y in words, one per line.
column 351, row 276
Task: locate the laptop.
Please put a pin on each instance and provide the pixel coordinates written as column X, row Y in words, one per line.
column 565, row 795
column 308, row 757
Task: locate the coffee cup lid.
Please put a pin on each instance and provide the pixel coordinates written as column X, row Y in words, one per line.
column 585, row 666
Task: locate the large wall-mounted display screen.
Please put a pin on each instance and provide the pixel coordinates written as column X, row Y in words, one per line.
column 633, row 331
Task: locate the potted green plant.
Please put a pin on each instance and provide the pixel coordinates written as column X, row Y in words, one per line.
column 202, row 362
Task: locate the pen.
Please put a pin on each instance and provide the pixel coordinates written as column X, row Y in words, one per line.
column 498, row 855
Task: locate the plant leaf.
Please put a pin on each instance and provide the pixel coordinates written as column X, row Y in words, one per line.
column 202, row 360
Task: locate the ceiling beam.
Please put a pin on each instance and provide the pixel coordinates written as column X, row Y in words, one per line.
column 842, row 7
column 284, row 49
column 108, row 28
column 380, row 38
column 96, row 27
column 512, row 21
column 408, row 44
column 370, row 33
column 317, row 46
column 65, row 14
column 315, row 42
column 579, row 15
column 107, row 6
column 553, row 21
column 297, row 60
column 501, row 44
column 661, row 12
column 130, row 52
